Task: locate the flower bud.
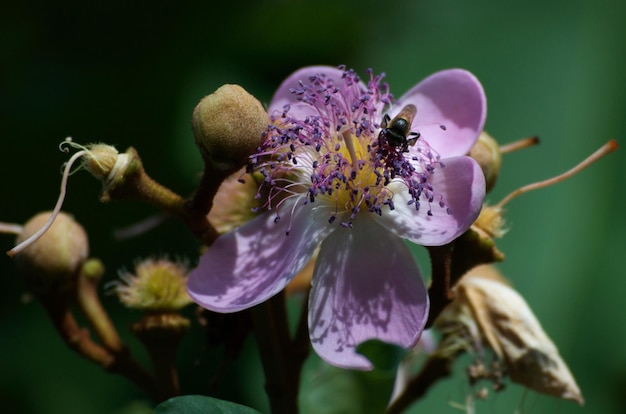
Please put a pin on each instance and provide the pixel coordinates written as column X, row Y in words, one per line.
column 228, row 127
column 52, row 263
column 491, row 221
column 100, row 160
column 486, row 152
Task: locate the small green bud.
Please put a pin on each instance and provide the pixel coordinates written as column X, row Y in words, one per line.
column 486, row 152
column 228, row 126
column 52, row 263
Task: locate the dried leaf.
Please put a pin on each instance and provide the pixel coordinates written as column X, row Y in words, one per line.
column 509, row 326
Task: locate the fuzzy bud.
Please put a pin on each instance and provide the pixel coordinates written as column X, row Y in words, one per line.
column 486, row 152
column 228, row 126
column 52, row 263
column 100, row 161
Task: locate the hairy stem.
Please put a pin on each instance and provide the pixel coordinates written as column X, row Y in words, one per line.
column 132, row 182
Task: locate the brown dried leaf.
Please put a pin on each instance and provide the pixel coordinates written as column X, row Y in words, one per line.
column 512, row 330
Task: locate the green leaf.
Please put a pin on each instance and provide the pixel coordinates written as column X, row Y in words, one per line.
column 201, row 404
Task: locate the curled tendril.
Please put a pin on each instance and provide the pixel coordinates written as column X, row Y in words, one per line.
column 64, row 146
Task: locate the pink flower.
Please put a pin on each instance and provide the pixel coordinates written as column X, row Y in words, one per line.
column 337, row 178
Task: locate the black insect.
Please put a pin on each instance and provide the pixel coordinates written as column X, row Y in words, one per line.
column 396, row 132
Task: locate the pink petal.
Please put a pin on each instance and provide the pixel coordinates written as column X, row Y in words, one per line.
column 254, row 262
column 461, row 183
column 366, row 285
column 453, row 98
column 283, row 96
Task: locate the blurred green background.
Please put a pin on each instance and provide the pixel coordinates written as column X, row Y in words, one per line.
column 130, row 75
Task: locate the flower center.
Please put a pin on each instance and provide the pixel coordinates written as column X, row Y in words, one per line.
column 329, row 149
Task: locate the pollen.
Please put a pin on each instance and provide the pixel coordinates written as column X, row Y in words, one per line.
column 329, row 151
column 156, row 285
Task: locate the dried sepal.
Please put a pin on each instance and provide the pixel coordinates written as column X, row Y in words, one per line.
column 486, row 152
column 508, row 325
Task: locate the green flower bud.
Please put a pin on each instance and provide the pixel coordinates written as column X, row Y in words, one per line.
column 486, row 152
column 228, row 127
column 52, row 264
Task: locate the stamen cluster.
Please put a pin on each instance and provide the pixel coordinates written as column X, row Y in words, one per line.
column 328, row 147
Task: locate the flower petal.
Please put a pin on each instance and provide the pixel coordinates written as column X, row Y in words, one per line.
column 461, row 184
column 453, row 98
column 366, row 285
column 283, row 95
column 254, row 262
